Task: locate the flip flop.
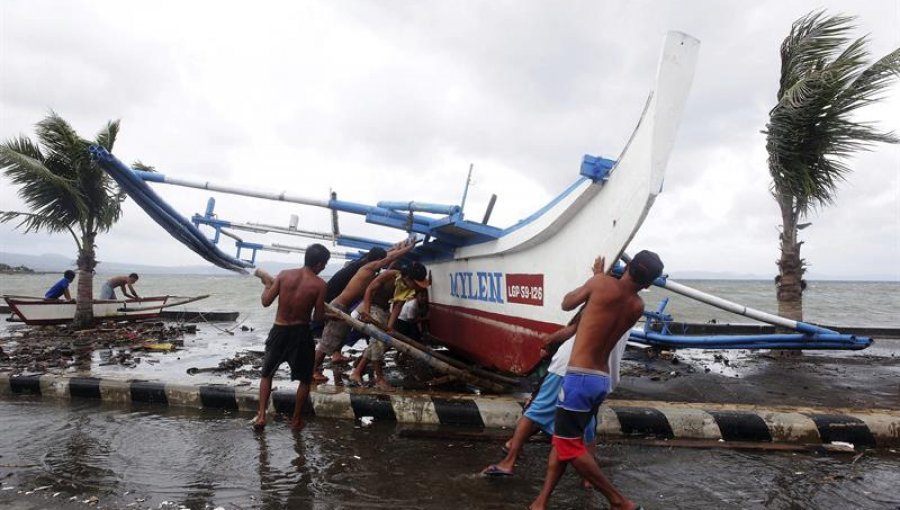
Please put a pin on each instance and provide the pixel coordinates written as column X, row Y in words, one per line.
column 496, row 471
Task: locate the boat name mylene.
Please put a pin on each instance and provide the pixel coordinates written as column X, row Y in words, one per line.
column 480, row 286
column 484, row 286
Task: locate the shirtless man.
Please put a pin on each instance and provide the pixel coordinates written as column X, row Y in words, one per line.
column 389, row 291
column 338, row 282
column 336, row 330
column 541, row 409
column 613, row 306
column 299, row 291
column 108, row 291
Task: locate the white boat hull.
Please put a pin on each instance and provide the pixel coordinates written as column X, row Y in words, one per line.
column 495, row 299
column 37, row 311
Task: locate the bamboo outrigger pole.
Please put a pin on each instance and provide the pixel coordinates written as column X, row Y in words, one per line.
column 423, row 356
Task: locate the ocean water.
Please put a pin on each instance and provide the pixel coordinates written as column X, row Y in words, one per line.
column 836, row 303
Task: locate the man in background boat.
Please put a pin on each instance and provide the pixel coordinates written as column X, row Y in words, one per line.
column 336, row 329
column 61, row 288
column 337, row 283
column 389, row 290
column 108, row 290
column 300, row 292
column 613, row 306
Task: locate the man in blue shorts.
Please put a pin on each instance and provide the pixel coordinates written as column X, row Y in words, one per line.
column 612, row 307
column 540, row 412
column 61, row 288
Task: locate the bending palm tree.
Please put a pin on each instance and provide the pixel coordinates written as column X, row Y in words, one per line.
column 825, row 79
column 65, row 191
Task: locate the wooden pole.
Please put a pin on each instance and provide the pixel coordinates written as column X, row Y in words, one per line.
column 426, row 357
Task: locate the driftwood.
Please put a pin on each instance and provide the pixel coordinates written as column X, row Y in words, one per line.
column 425, row 356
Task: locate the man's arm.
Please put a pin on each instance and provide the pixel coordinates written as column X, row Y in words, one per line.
column 561, row 335
column 66, row 293
column 395, row 313
column 271, row 291
column 373, row 286
column 558, row 337
column 395, row 253
column 319, row 312
column 577, row 296
column 128, row 287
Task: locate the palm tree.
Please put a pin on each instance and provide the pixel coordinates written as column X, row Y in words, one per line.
column 66, row 191
column 825, row 79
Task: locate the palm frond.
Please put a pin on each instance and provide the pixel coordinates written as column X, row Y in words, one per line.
column 34, row 222
column 107, row 137
column 811, row 129
column 140, row 165
column 59, row 182
column 40, row 188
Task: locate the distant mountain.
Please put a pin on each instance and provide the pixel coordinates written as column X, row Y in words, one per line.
column 46, row 262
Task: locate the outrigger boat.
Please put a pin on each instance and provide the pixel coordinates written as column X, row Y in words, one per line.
column 496, row 291
column 36, row 311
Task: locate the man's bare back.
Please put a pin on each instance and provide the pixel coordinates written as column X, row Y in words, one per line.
column 299, row 291
column 612, row 308
column 355, row 289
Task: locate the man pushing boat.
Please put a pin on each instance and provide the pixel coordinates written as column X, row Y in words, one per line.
column 382, row 302
column 613, row 306
column 126, row 283
column 540, row 410
column 336, row 330
column 336, row 284
column 299, row 293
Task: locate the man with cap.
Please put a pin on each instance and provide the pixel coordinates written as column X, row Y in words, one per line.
column 613, row 307
column 389, row 290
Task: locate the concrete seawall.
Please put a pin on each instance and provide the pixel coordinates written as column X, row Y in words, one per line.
column 877, row 428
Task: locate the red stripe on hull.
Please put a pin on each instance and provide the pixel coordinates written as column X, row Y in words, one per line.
column 500, row 342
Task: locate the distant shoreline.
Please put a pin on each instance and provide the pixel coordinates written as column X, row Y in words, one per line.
column 55, row 263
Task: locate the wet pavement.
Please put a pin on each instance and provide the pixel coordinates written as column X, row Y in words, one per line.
column 867, row 379
column 91, row 455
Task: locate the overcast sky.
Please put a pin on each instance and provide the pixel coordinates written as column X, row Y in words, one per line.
column 394, row 100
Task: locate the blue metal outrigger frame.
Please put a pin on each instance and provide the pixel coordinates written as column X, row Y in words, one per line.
column 807, row 336
column 441, row 237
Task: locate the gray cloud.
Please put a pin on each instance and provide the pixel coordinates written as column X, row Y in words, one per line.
column 394, row 103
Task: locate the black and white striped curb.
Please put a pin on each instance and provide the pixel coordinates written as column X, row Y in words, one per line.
column 661, row 420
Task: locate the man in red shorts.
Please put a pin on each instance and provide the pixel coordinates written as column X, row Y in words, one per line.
column 613, row 306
